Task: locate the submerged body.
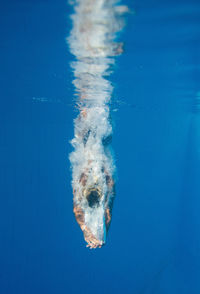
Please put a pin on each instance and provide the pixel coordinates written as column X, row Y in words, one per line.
column 93, row 210
column 93, row 188
column 95, row 24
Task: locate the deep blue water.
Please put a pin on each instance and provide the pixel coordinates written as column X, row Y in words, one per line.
column 154, row 242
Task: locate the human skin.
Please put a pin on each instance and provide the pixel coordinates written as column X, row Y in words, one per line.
column 92, row 241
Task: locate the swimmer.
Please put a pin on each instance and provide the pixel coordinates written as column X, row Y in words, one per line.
column 93, row 210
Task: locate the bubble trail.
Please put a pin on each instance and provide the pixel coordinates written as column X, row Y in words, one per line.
column 95, row 24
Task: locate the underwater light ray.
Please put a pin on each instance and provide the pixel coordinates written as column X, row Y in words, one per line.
column 95, row 24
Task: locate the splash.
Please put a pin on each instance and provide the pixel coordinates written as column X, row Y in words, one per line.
column 92, row 42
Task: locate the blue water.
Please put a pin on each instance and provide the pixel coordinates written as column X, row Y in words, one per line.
column 153, row 245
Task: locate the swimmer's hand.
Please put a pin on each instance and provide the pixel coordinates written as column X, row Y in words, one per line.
column 92, row 241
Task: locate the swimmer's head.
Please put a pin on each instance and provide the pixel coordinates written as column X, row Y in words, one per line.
column 93, row 196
